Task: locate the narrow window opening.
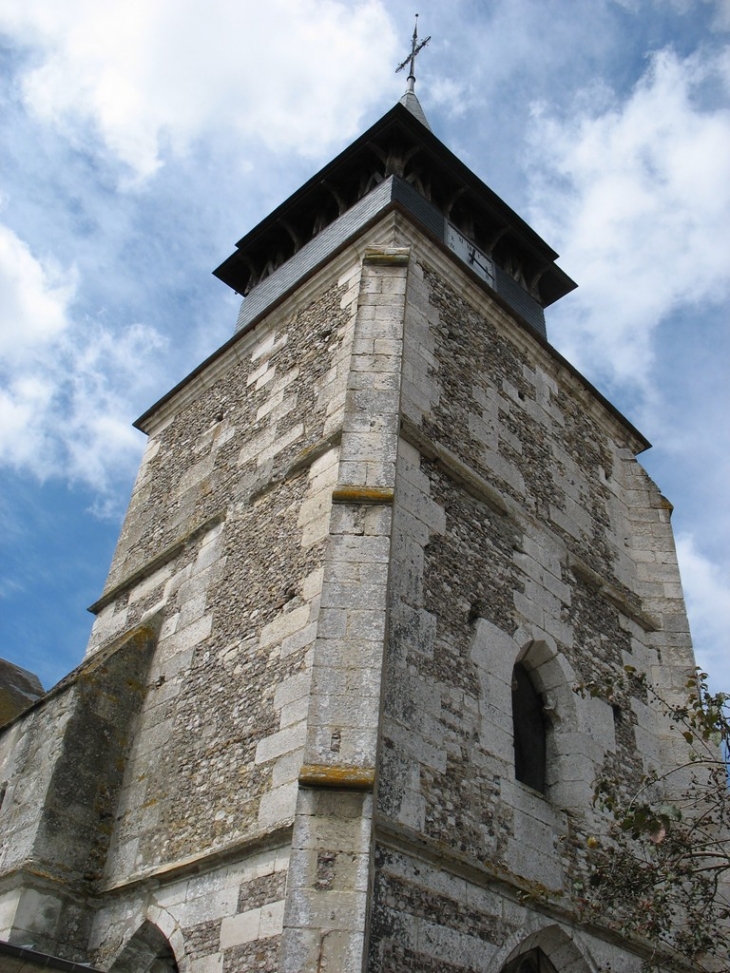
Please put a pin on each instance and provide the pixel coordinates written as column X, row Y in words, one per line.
column 529, row 724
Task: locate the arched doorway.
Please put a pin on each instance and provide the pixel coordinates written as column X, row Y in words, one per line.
column 534, row 961
column 148, row 951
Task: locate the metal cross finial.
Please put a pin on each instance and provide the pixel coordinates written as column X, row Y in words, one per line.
column 411, row 59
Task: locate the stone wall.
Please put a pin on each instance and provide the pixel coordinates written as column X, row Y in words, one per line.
column 221, row 557
column 278, row 393
column 229, row 514
column 227, row 918
column 260, row 725
column 269, row 602
column 61, row 764
column 347, row 528
column 29, row 749
column 518, row 512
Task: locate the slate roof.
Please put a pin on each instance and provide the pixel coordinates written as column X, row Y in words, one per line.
column 23, row 959
column 398, row 144
column 18, row 689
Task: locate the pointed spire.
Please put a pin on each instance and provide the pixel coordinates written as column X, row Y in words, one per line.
column 409, row 99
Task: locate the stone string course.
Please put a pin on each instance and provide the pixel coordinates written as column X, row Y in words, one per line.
column 289, row 747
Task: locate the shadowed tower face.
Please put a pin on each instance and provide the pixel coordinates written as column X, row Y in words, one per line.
column 326, row 721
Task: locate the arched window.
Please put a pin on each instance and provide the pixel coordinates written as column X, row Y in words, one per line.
column 529, row 724
column 535, row 961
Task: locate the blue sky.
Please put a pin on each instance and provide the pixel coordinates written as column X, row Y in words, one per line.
column 141, row 139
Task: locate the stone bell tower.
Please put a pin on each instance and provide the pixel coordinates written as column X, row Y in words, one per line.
column 326, row 720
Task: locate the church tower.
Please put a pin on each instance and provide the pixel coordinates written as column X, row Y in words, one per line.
column 326, row 722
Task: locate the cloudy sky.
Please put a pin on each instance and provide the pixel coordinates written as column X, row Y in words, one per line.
column 141, row 138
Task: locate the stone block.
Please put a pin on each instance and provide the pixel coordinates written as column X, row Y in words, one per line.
column 343, row 952
column 239, row 929
column 368, row 447
column 410, row 526
column 193, row 475
column 355, row 709
column 319, row 500
column 312, row 584
column 253, row 448
column 327, row 910
column 559, row 630
column 8, row 906
column 382, row 322
column 357, row 746
column 292, row 689
column 383, row 425
column 277, row 805
column 417, row 398
column 284, row 625
column 299, row 640
column 349, row 597
column 529, row 610
column 281, row 742
column 37, row 912
column 421, row 506
column 364, row 346
column 280, row 443
column 332, row 623
column 271, row 919
column 286, row 768
column 188, row 637
column 150, row 583
column 367, row 624
column 576, row 767
column 536, row 864
column 213, row 963
column 294, row 712
column 348, row 653
column 209, row 553
column 193, row 609
column 274, row 400
column 601, row 723
column 354, row 472
column 267, row 344
column 314, row 532
column 373, row 364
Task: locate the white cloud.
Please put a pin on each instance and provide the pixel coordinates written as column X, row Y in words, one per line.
column 707, row 592
column 449, row 94
column 63, row 382
column 721, row 13
column 637, row 198
column 156, row 74
column 721, row 19
column 33, row 297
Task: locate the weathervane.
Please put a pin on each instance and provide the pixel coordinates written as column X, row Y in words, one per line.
column 411, row 59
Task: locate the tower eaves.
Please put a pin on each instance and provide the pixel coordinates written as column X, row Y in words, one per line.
column 443, row 195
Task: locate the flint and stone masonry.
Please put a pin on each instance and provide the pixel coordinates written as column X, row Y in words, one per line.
column 289, row 748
